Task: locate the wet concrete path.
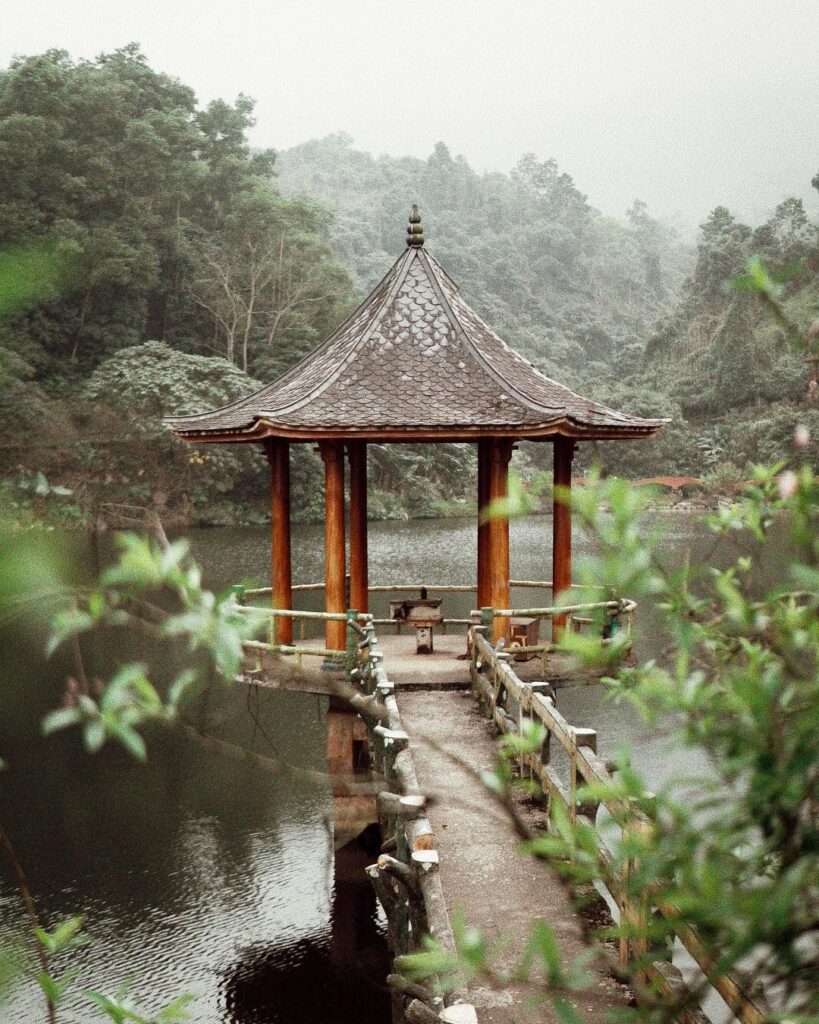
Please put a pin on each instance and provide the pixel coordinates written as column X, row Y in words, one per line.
column 483, row 871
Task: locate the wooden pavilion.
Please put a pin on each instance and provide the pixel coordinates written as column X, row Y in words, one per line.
column 413, row 363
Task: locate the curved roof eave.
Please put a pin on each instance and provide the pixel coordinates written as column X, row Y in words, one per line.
column 263, row 428
column 377, row 361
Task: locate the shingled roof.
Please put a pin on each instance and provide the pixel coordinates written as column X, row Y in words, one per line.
column 413, row 362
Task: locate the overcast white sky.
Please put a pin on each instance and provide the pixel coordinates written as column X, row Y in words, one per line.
column 684, row 103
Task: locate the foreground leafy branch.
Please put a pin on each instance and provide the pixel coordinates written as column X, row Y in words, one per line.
column 153, row 588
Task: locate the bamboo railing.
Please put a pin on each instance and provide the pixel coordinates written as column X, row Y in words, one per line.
column 510, row 703
column 406, row 876
column 544, row 649
column 619, row 617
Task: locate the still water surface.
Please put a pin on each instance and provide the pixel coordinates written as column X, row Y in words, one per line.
column 199, row 873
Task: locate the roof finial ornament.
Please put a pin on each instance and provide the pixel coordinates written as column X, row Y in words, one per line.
column 415, row 233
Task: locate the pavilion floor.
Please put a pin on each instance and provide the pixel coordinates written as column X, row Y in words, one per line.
column 447, row 667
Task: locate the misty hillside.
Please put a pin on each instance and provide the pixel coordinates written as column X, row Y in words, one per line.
column 555, row 278
column 621, row 310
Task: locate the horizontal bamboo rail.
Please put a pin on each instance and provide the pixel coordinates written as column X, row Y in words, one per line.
column 280, row 613
column 294, row 649
column 439, row 588
column 439, row 622
column 509, row 702
column 425, row 588
column 624, row 606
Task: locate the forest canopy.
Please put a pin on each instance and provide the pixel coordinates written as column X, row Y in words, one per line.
column 148, row 250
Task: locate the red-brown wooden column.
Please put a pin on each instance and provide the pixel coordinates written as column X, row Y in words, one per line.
column 498, row 553
column 562, row 524
column 483, row 598
column 278, row 455
column 359, row 582
column 335, row 597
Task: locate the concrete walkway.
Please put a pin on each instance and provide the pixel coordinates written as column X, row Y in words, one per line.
column 484, row 874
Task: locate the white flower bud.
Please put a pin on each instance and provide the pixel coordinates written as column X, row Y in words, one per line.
column 788, row 483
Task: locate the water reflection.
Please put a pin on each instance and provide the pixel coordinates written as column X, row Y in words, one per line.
column 335, row 978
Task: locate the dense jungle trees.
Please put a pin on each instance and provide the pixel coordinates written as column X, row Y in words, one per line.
column 141, row 217
column 171, row 226
column 158, row 225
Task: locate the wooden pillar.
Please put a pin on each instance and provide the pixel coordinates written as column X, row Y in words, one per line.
column 562, row 524
column 483, row 600
column 335, row 597
column 498, row 543
column 278, row 455
column 359, row 577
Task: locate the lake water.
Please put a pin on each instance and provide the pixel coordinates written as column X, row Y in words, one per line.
column 200, row 873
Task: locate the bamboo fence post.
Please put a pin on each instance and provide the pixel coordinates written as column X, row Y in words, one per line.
column 487, row 615
column 642, row 909
column 582, row 737
column 351, row 645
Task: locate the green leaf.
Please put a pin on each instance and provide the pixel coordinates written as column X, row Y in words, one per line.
column 176, row 1010
column 55, row 988
column 60, row 719
column 66, row 624
column 66, row 935
column 179, row 688
column 94, row 735
column 48, row 985
column 133, row 742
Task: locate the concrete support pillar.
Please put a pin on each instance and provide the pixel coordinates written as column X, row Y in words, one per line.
column 335, row 597
column 359, row 580
column 498, row 544
column 278, row 455
column 562, row 524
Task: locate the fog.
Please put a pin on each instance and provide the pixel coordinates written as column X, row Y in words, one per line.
column 683, row 104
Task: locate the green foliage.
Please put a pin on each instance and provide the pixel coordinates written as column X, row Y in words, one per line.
column 66, row 935
column 421, row 481
column 130, row 457
column 128, row 213
column 523, row 497
column 719, row 356
column 743, row 684
column 122, row 1010
column 126, row 598
column 30, row 275
column 111, row 165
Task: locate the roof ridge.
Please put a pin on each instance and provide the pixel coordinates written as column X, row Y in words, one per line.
column 510, row 388
column 288, row 375
column 478, row 356
column 401, row 276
